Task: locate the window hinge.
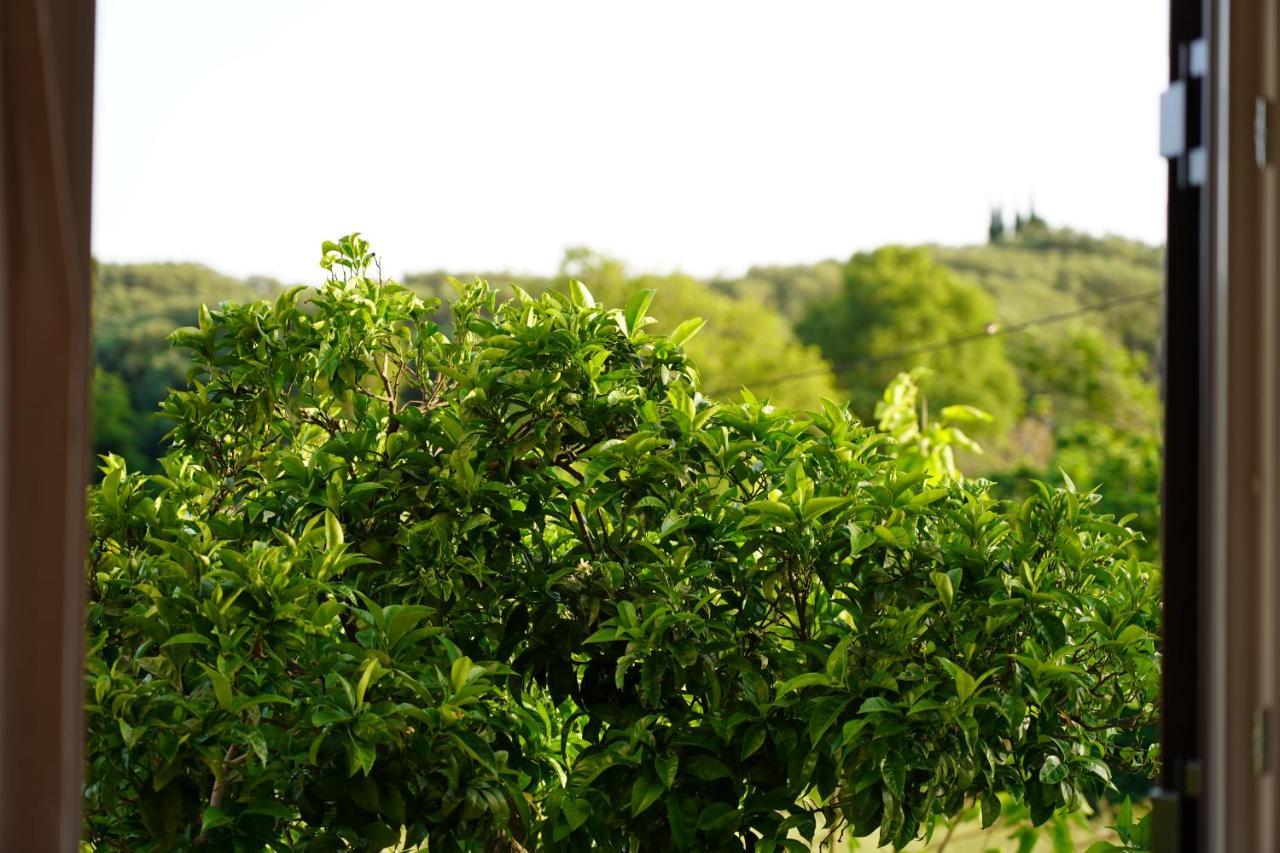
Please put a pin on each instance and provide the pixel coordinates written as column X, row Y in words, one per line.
column 1181, row 108
column 1261, row 132
column 1191, row 779
column 1168, row 806
column 1261, row 740
column 1166, row 819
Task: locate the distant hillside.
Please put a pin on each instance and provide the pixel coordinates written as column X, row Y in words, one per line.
column 1029, row 274
column 1043, row 271
column 135, row 307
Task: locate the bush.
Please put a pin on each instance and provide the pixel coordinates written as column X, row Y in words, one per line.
column 524, row 586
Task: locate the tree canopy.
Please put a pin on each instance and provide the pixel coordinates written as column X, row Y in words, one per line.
column 523, row 585
column 898, row 299
column 744, row 344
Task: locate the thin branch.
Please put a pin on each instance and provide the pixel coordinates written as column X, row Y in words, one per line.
column 386, row 383
column 946, row 839
column 220, row 779
column 582, row 525
column 220, row 785
column 564, row 465
column 1130, row 724
column 606, row 538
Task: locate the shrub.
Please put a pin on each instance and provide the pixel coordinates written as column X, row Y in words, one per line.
column 525, row 586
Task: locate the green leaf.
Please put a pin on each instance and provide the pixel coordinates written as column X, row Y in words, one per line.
column 799, row 682
column 579, row 295
column 990, row 808
column 815, row 508
column 332, row 531
column 187, row 640
column 1053, row 770
column 213, row 817
column 364, row 488
column 327, row 715
column 459, row 673
column 706, row 768
column 893, row 770
column 325, row 612
column 604, row 635
column 362, row 756
column 1096, row 767
column 718, row 816
column 576, row 812
column 404, row 621
column 876, row 705
column 129, row 733
column 681, row 828
column 927, row 497
column 946, row 592
column 965, row 684
column 367, row 678
column 686, row 330
column 161, row 814
column 965, row 415
column 838, row 660
column 221, row 686
column 752, row 741
column 637, row 306
column 313, row 751
column 887, row 536
column 244, row 702
column 258, row 743
column 773, row 509
column 645, row 792
column 824, row 714
column 665, row 766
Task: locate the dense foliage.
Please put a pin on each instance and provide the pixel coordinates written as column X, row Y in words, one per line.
column 1088, row 382
column 895, row 299
column 521, row 584
column 745, row 344
column 135, row 307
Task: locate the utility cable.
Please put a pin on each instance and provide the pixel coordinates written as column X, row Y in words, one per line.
column 993, row 330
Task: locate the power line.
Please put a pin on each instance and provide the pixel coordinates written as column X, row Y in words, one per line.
column 992, row 331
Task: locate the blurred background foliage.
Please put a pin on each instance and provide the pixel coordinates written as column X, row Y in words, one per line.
column 1071, row 396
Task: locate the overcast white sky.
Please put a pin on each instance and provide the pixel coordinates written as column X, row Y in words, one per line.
column 704, row 136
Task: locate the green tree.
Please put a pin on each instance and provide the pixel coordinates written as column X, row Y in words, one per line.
column 115, row 423
column 743, row 344
column 134, row 307
column 786, row 289
column 1098, row 402
column 523, row 586
column 995, row 226
column 923, row 444
column 1075, row 373
column 897, row 299
column 1042, row 271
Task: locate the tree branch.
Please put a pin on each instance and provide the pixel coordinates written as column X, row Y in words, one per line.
column 582, row 526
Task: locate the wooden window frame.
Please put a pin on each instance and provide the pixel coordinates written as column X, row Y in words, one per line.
column 1221, row 529
column 46, row 131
